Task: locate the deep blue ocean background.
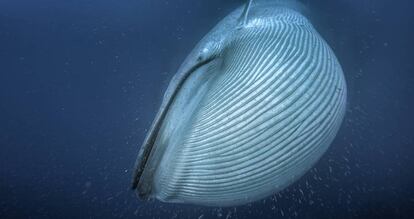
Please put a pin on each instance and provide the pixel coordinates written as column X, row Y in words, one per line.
column 81, row 80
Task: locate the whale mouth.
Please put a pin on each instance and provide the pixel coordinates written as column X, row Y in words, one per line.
column 147, row 160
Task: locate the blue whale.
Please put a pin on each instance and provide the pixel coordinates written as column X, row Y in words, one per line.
column 253, row 107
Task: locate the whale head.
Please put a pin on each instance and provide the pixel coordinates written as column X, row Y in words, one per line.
column 251, row 109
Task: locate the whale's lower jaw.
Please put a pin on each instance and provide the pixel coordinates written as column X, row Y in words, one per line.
column 264, row 118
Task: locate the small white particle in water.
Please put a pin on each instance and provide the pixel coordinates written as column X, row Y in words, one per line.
column 228, row 215
column 301, row 191
column 219, row 212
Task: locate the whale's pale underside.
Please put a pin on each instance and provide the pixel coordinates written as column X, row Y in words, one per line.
column 251, row 109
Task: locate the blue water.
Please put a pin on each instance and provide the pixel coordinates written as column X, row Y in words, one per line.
column 80, row 82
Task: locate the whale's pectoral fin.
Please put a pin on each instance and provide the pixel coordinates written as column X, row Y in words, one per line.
column 244, row 16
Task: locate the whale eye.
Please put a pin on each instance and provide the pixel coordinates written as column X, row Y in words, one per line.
column 200, row 58
column 205, row 52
